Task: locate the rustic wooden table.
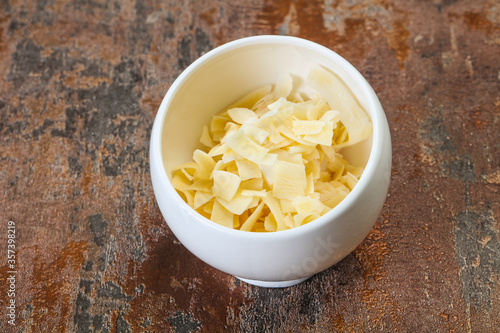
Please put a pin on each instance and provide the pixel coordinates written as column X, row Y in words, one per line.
column 80, row 85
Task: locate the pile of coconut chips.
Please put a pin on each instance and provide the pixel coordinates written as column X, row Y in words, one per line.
column 272, row 159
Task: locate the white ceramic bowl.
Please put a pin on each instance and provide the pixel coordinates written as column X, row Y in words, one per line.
column 214, row 81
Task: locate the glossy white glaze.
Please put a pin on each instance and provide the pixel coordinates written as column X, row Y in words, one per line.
column 211, row 83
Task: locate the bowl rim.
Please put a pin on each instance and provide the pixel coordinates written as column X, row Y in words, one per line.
column 377, row 117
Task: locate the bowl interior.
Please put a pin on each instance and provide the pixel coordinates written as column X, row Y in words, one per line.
column 228, row 73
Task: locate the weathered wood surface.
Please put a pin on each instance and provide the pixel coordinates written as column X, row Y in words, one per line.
column 80, row 85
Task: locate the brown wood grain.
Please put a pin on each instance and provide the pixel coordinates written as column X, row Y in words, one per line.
column 80, row 84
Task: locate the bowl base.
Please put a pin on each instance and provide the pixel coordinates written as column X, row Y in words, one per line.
column 273, row 284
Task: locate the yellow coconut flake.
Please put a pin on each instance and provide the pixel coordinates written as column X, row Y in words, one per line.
column 350, row 180
column 306, row 204
column 250, row 221
column 284, row 87
column 218, row 123
column 229, row 156
column 301, row 127
column 218, row 150
column 205, row 164
column 201, row 198
column 287, row 207
column 253, row 193
column 324, row 137
column 254, row 203
column 255, row 133
column 274, row 206
column 255, row 184
column 203, row 185
column 208, row 207
column 309, row 184
column 225, row 184
column 315, row 110
column 289, row 223
column 269, row 159
column 189, row 197
column 221, row 215
column 180, row 181
column 270, row 223
column 289, row 180
column 246, row 148
column 238, row 204
column 241, row 115
column 340, row 98
column 248, row 169
column 206, row 138
column 188, row 165
column 304, row 218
